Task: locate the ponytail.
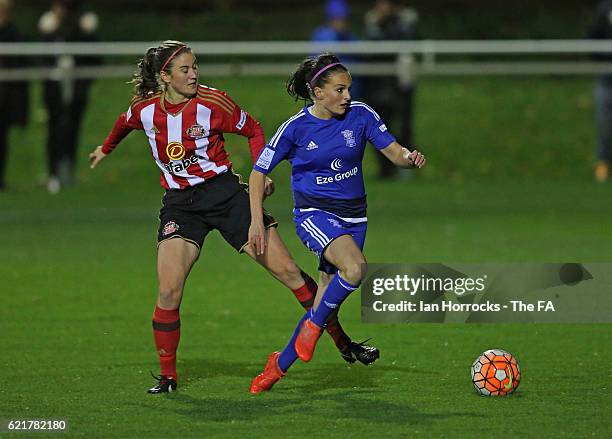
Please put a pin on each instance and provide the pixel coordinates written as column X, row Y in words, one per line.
column 146, row 78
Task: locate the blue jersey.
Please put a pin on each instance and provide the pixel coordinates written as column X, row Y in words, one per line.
column 326, row 158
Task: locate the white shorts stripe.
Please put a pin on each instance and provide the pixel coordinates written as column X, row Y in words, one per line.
column 318, row 231
column 363, row 219
column 313, row 235
column 309, row 221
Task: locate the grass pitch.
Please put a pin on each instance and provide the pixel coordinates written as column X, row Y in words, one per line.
column 78, row 288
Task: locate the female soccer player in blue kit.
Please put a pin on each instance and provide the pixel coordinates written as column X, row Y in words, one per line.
column 325, row 143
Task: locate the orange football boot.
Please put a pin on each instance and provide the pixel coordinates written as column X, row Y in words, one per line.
column 306, row 341
column 270, row 375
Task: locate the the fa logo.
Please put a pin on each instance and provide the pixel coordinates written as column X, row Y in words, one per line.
column 348, row 137
column 265, row 158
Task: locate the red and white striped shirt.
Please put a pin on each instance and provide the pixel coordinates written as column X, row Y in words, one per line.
column 186, row 139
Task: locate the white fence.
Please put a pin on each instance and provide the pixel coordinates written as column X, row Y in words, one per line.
column 408, row 58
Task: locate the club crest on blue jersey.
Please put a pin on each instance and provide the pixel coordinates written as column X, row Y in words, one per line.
column 348, row 137
column 196, row 131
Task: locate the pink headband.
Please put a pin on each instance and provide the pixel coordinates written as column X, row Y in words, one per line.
column 329, row 66
column 171, row 56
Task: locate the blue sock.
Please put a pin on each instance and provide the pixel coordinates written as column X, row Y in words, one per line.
column 288, row 356
column 335, row 293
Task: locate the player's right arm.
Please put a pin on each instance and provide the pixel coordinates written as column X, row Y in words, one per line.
column 124, row 124
column 278, row 149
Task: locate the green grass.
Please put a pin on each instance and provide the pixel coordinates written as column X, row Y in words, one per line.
column 78, row 285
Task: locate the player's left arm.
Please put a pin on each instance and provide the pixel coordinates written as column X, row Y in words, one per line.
column 246, row 125
column 238, row 121
column 403, row 157
column 379, row 136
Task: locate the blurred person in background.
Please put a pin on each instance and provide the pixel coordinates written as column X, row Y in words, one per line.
column 13, row 94
column 601, row 29
column 65, row 98
column 337, row 29
column 325, row 143
column 184, row 122
column 393, row 98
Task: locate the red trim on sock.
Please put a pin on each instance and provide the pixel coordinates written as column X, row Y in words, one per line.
column 310, row 283
column 307, row 291
column 165, row 315
column 303, row 293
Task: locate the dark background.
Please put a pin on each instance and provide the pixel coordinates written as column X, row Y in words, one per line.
column 295, row 19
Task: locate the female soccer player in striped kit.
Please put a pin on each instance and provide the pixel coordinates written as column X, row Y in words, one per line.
column 184, row 123
column 325, row 143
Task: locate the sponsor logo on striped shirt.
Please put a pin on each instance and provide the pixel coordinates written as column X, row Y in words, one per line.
column 175, row 151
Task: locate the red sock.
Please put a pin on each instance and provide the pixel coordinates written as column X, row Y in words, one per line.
column 307, row 292
column 167, row 333
column 334, row 329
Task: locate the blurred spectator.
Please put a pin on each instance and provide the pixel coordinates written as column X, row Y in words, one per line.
column 65, row 99
column 336, row 28
column 390, row 97
column 601, row 28
column 13, row 95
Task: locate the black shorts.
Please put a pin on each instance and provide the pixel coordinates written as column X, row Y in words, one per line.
column 221, row 203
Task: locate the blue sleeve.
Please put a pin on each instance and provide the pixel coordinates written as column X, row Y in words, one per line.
column 376, row 129
column 275, row 151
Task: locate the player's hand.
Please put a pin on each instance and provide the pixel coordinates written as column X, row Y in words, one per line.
column 416, row 159
column 269, row 187
column 257, row 237
column 95, row 156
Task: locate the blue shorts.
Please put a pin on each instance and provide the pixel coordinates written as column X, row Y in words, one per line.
column 317, row 229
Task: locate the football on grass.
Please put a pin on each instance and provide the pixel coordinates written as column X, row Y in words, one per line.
column 496, row 373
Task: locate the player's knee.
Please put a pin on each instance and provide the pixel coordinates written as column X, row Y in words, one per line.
column 170, row 296
column 354, row 271
column 288, row 271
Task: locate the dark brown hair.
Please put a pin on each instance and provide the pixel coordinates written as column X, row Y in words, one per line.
column 301, row 84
